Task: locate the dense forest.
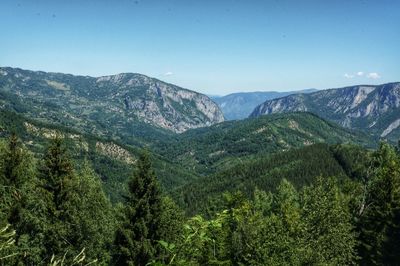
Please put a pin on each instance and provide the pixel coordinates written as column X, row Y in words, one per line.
column 53, row 211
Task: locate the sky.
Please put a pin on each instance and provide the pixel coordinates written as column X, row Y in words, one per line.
column 211, row 46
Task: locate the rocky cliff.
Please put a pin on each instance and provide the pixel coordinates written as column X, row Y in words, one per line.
column 374, row 109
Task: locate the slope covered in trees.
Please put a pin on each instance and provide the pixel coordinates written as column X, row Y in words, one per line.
column 53, row 212
column 207, row 150
column 299, row 166
column 180, row 159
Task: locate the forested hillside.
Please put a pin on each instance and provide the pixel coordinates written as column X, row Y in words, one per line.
column 207, row 150
column 342, row 208
column 299, row 166
column 111, row 159
column 180, row 159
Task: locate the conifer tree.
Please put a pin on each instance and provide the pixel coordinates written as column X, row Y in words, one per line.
column 379, row 221
column 55, row 172
column 329, row 235
column 137, row 236
column 86, row 214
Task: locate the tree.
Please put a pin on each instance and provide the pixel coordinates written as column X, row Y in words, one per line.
column 86, row 215
column 379, row 220
column 329, row 236
column 16, row 169
column 136, row 238
column 56, row 170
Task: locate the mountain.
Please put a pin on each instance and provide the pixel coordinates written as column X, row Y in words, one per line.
column 374, row 109
column 207, row 150
column 107, row 106
column 240, row 105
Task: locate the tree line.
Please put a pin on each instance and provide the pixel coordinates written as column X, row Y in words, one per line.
column 55, row 213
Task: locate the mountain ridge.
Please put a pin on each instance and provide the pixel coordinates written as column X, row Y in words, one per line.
column 240, row 104
column 108, row 100
column 372, row 108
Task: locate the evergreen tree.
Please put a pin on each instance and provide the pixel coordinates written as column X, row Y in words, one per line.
column 86, row 214
column 379, row 220
column 55, row 173
column 329, row 236
column 137, row 236
column 56, row 170
column 11, row 160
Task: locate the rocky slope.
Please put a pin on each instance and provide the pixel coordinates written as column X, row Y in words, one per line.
column 106, row 104
column 374, row 109
column 240, row 105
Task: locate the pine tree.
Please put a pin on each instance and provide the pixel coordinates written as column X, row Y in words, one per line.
column 19, row 198
column 56, row 170
column 379, row 221
column 55, row 173
column 11, row 160
column 136, row 238
column 86, row 214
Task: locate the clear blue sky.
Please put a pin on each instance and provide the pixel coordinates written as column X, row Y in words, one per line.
column 211, row 46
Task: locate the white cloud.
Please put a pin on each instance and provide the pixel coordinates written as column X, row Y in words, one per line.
column 360, row 73
column 169, row 73
column 373, row 75
column 348, row 76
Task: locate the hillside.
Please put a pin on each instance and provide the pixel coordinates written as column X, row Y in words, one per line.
column 373, row 109
column 299, row 166
column 207, row 149
column 240, row 105
column 117, row 105
column 113, row 161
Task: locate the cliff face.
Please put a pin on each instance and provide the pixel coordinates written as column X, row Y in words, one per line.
column 106, row 103
column 374, row 109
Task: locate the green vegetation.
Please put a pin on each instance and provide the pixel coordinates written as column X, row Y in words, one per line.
column 286, row 189
column 341, row 209
column 207, row 150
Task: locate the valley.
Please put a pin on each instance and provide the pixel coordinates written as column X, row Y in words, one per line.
column 128, row 134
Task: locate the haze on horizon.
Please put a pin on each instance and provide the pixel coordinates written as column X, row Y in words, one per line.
column 214, row 47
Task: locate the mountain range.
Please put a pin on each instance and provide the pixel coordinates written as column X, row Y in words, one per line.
column 94, row 105
column 373, row 109
column 240, row 105
column 109, row 119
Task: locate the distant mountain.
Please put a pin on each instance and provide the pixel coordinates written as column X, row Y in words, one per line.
column 240, row 105
column 374, row 109
column 105, row 105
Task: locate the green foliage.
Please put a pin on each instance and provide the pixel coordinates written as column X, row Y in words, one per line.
column 136, row 237
column 379, row 209
column 270, row 209
column 299, row 166
column 329, row 234
column 207, row 150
